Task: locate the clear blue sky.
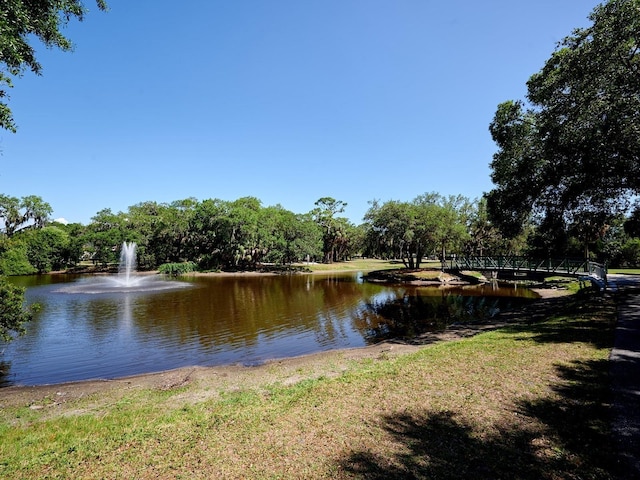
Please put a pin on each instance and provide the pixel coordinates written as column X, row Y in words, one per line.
column 284, row 100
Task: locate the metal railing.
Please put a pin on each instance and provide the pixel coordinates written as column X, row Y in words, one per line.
column 560, row 266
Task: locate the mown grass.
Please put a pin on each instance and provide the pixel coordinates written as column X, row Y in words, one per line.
column 357, row 264
column 628, row 271
column 527, row 401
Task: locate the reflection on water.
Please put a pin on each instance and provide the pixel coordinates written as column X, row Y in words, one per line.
column 433, row 309
column 219, row 320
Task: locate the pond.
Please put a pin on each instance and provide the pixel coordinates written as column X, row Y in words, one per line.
column 82, row 333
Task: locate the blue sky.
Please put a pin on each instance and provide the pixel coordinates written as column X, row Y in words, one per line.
column 285, row 100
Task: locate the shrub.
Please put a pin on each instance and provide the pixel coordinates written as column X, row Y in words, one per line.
column 12, row 313
column 175, row 269
column 15, row 261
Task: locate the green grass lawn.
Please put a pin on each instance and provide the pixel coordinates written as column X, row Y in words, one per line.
column 628, row 271
column 527, row 401
column 358, row 265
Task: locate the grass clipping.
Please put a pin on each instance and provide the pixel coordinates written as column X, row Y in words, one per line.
column 529, row 400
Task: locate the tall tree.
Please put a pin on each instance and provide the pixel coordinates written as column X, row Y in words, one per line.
column 17, row 214
column 334, row 229
column 244, row 247
column 163, row 230
column 573, row 152
column 632, row 223
column 392, row 231
column 449, row 218
column 284, row 237
column 210, row 233
column 429, row 224
column 20, row 22
column 484, row 237
column 105, row 234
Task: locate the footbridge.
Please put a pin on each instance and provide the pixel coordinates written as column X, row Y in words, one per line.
column 516, row 266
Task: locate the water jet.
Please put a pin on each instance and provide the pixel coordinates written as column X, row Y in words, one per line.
column 127, row 264
column 127, row 279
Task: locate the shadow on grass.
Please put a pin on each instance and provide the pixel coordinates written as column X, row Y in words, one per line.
column 564, row 435
column 581, row 318
column 440, row 445
column 565, row 438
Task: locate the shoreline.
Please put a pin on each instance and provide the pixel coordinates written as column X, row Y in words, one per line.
column 210, row 380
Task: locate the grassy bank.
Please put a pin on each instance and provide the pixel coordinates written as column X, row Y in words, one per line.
column 525, row 401
column 358, row 265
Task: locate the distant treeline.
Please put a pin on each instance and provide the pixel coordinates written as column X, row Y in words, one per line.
column 243, row 234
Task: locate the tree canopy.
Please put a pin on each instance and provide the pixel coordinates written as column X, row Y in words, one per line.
column 428, row 225
column 20, row 22
column 20, row 213
column 570, row 155
column 335, row 230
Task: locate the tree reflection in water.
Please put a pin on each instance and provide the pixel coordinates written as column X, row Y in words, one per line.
column 225, row 320
column 415, row 313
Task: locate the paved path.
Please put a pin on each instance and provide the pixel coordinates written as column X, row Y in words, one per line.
column 625, row 371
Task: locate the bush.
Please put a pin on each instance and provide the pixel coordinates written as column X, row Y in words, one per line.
column 175, row 269
column 47, row 248
column 12, row 314
column 14, row 260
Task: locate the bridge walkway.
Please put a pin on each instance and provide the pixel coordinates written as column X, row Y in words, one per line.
column 585, row 270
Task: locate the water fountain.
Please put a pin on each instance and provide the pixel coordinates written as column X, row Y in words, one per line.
column 127, row 280
column 127, row 265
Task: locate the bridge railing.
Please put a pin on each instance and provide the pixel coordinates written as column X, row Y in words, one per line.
column 568, row 266
column 597, row 270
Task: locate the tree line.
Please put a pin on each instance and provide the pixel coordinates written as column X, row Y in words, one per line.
column 243, row 234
